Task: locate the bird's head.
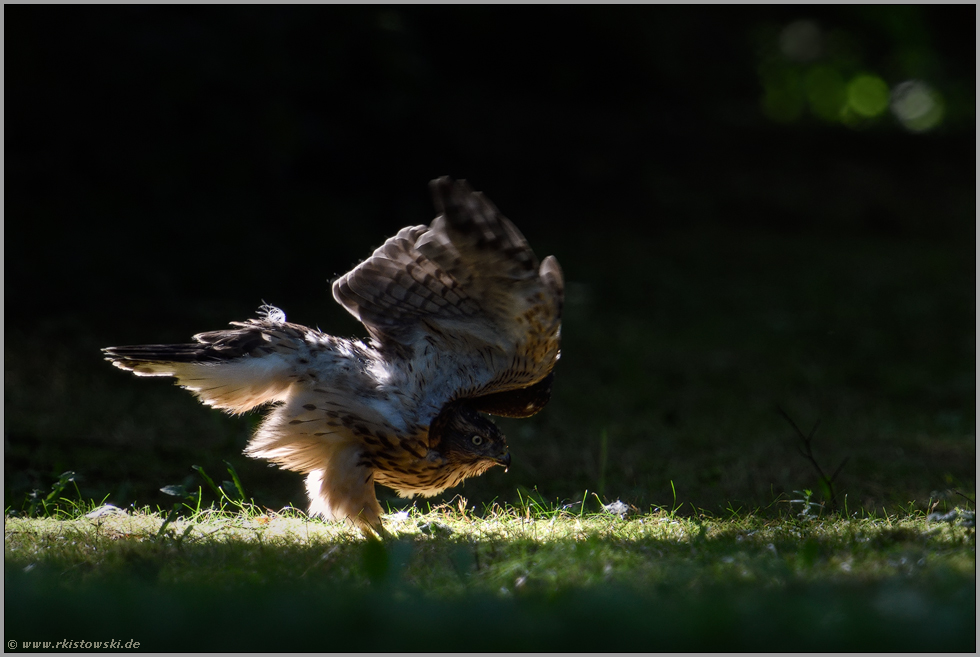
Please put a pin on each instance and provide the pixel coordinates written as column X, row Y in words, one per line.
column 469, row 440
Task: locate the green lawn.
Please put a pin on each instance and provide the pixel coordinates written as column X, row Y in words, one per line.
column 521, row 578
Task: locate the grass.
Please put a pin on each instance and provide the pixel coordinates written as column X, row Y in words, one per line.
column 529, row 577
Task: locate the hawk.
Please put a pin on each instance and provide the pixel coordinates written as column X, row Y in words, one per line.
column 463, row 320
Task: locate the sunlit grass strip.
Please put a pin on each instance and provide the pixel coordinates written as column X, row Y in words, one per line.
column 499, row 548
column 529, row 520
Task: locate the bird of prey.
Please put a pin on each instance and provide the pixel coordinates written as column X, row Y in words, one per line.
column 463, row 320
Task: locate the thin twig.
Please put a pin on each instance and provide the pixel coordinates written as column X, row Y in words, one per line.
column 807, row 452
column 966, row 497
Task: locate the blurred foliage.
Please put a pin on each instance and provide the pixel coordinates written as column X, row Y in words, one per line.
column 831, row 71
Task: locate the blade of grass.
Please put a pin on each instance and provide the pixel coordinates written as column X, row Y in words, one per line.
column 236, row 480
column 210, row 482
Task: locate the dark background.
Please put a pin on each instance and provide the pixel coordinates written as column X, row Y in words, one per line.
column 168, row 169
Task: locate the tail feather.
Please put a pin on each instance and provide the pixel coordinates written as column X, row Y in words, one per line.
column 158, row 359
column 233, row 370
column 175, row 353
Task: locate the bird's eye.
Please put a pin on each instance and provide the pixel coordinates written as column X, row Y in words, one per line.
column 477, row 440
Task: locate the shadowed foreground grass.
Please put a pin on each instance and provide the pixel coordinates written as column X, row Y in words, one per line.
column 527, row 578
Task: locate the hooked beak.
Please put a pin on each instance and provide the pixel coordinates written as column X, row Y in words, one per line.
column 504, row 461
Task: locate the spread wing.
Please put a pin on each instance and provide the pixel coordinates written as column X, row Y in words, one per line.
column 466, row 296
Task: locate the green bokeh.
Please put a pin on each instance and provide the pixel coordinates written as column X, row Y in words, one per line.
column 918, row 106
column 867, row 95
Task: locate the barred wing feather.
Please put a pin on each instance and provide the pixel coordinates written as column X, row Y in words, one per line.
column 470, row 286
